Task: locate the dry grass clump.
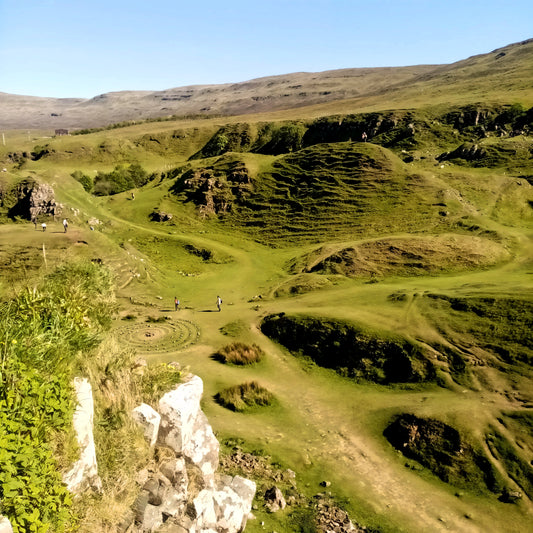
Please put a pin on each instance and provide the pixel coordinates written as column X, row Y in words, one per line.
column 244, row 396
column 239, row 353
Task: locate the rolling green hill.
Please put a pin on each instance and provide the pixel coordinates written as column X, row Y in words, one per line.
column 375, row 250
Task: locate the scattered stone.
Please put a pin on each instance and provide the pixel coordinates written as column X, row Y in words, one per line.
column 274, row 499
column 160, row 216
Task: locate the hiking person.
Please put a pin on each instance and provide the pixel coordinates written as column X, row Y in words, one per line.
column 176, row 303
column 65, row 224
column 219, row 302
column 43, row 225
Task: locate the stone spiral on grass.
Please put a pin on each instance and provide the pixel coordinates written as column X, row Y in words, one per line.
column 159, row 337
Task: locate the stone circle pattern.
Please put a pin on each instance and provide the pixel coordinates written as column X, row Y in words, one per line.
column 148, row 337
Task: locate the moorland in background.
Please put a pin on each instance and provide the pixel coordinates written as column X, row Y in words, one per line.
column 370, row 234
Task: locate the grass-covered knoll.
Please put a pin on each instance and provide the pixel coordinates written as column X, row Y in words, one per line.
column 442, row 449
column 502, row 327
column 245, row 396
column 405, row 256
column 349, row 349
column 332, row 191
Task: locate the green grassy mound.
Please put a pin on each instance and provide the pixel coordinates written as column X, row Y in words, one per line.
column 501, row 327
column 301, row 284
column 402, row 257
column 349, row 349
column 443, row 450
column 514, row 152
column 333, row 191
column 244, row 396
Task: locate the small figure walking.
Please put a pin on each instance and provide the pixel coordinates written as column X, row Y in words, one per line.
column 219, row 302
column 65, row 224
column 43, row 225
column 176, row 304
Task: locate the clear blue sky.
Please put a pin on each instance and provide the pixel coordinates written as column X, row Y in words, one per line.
column 79, row 48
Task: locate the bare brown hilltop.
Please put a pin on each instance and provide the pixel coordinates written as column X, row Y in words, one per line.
column 503, row 69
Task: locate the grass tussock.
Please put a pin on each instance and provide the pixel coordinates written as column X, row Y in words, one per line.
column 244, row 396
column 239, row 353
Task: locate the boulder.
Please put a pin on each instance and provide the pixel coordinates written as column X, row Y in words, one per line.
column 184, row 428
column 274, row 499
column 225, row 509
column 84, row 473
column 5, row 525
column 149, row 419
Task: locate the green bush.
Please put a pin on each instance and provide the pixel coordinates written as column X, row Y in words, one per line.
column 85, row 180
column 44, row 332
column 244, row 396
column 120, row 179
column 239, row 353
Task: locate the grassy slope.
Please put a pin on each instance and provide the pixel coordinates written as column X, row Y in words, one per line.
column 324, row 426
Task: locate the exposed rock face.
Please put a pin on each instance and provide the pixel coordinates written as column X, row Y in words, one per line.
column 35, row 200
column 84, row 473
column 181, row 492
column 150, row 420
column 185, row 429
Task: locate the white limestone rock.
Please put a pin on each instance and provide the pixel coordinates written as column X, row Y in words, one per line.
column 84, row 473
column 5, row 525
column 185, row 429
column 149, row 419
column 225, row 509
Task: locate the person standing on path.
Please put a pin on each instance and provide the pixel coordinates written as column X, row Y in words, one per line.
column 219, row 302
column 43, row 225
column 65, row 224
column 176, row 304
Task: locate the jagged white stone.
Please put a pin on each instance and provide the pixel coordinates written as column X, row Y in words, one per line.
column 225, row 509
column 149, row 419
column 5, row 525
column 84, row 473
column 186, row 430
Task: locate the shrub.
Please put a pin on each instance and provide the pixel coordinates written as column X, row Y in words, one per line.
column 239, row 353
column 43, row 333
column 244, row 396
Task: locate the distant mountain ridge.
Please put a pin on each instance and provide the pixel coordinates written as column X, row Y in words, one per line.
column 513, row 63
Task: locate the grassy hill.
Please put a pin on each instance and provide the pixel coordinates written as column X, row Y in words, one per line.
column 376, row 250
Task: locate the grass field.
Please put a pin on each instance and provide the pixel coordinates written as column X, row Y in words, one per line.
column 380, row 241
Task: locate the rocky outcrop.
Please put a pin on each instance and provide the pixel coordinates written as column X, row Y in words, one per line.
column 467, row 151
column 181, row 491
column 185, row 429
column 34, row 200
column 84, row 473
column 160, row 216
